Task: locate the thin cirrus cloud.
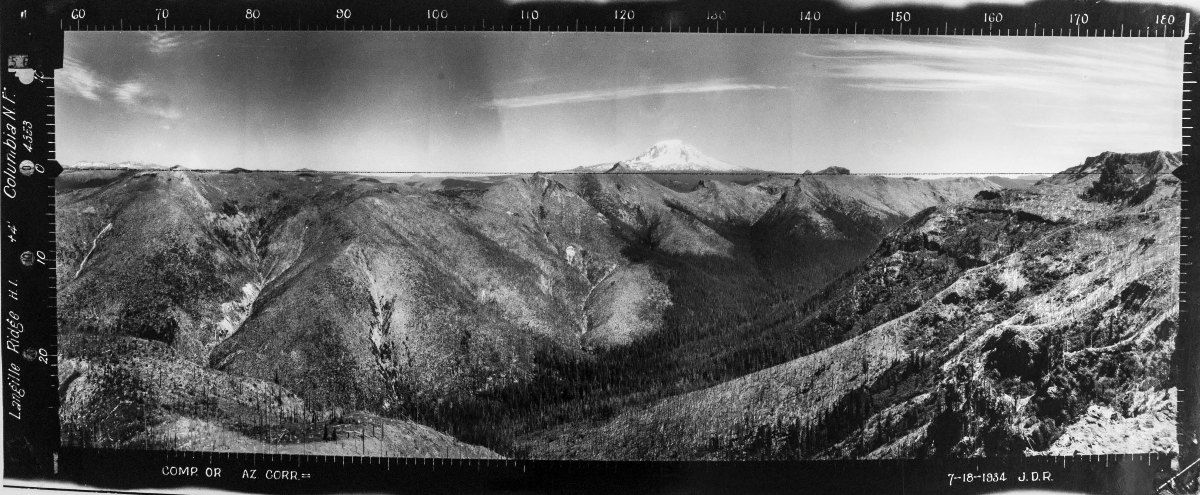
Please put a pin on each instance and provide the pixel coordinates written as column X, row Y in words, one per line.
column 966, row 65
column 1100, row 130
column 166, row 42
column 135, row 95
column 625, row 93
column 160, row 42
column 76, row 79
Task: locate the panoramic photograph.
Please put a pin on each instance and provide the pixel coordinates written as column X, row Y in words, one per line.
column 618, row 246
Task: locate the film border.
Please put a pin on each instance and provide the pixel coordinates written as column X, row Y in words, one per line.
column 35, row 32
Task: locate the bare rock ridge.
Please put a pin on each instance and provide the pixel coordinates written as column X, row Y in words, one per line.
column 617, row 315
column 1134, row 164
column 831, row 171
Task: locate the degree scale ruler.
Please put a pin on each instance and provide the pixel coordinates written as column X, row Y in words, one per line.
column 32, row 44
column 1088, row 19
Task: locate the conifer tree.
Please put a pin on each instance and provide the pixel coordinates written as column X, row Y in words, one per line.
column 1114, row 183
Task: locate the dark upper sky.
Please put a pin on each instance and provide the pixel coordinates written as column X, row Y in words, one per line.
column 504, row 101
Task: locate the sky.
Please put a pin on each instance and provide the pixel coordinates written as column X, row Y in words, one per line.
column 497, row 102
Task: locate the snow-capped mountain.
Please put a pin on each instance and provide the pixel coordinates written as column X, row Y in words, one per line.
column 671, row 156
column 86, row 165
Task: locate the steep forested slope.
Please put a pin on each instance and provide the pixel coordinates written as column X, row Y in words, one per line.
column 816, row 315
column 1022, row 321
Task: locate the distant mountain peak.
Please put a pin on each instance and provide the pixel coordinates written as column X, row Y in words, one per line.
column 675, row 155
column 1138, row 165
column 830, row 171
column 617, row 168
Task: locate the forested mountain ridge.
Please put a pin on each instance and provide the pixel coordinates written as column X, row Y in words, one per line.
column 499, row 311
column 1007, row 324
